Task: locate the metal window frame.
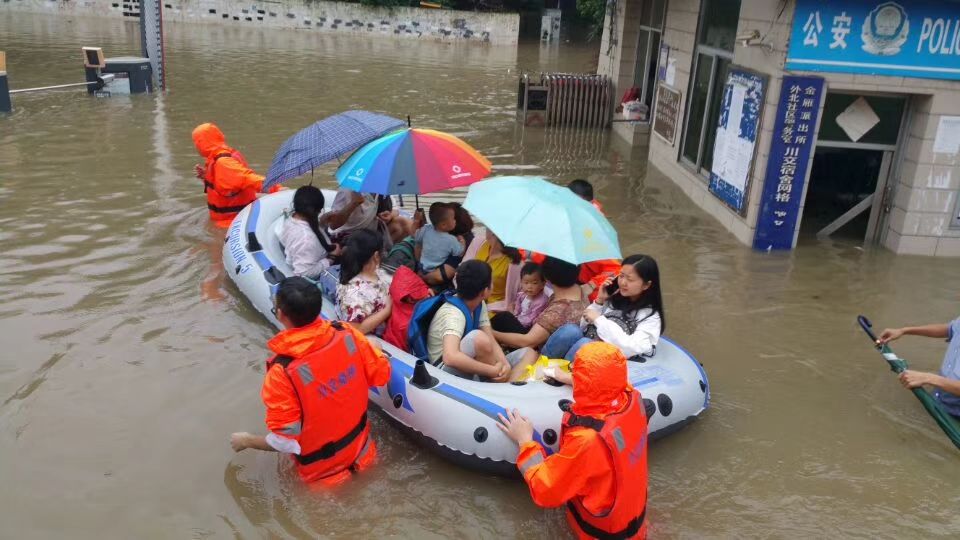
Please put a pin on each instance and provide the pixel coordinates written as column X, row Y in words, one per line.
column 955, row 221
column 651, row 55
column 714, row 53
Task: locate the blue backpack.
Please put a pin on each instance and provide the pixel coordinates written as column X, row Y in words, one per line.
column 423, row 314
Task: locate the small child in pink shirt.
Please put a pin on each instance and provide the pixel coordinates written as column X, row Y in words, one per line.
column 531, row 300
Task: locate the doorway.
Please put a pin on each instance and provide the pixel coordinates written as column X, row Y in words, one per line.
column 848, row 194
column 846, row 185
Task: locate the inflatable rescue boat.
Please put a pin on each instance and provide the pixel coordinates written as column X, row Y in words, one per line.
column 453, row 416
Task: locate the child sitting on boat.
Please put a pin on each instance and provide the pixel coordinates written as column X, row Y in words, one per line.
column 436, row 246
column 306, row 248
column 531, row 300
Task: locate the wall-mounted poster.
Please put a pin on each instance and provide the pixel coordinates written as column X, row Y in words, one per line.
column 737, row 131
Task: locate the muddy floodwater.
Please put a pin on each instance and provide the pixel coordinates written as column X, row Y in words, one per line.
column 126, row 360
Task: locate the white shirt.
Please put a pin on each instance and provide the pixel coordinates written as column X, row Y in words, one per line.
column 282, row 444
column 303, row 249
column 641, row 341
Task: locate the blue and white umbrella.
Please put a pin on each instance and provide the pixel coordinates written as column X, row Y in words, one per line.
column 327, row 140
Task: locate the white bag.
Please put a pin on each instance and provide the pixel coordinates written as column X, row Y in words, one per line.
column 634, row 110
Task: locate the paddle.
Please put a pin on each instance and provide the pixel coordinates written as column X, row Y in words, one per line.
column 947, row 423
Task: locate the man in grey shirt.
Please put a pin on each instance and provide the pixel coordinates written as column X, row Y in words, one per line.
column 352, row 211
column 947, row 383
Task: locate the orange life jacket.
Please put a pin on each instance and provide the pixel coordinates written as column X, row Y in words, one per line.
column 225, row 205
column 596, row 272
column 625, row 436
column 332, row 391
column 532, row 256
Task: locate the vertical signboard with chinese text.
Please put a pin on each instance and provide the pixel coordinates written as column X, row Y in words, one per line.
column 737, row 130
column 666, row 114
column 793, row 139
column 908, row 38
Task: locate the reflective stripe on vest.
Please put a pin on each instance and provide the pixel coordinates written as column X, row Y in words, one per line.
column 293, row 428
column 534, row 460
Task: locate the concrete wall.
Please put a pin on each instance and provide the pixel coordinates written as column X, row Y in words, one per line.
column 926, row 188
column 618, row 60
column 925, row 184
column 315, row 16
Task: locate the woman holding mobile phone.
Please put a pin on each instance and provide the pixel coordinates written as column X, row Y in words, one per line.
column 627, row 313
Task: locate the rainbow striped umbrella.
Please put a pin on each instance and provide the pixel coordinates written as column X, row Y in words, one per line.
column 413, row 161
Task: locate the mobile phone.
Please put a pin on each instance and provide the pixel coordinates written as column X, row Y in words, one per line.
column 613, row 287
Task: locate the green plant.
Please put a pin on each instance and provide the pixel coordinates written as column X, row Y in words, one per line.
column 593, row 13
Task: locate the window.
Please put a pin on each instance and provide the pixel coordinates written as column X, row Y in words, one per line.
column 652, row 15
column 714, row 53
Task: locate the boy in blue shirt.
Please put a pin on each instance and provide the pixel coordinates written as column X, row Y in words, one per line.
column 947, row 383
column 437, row 250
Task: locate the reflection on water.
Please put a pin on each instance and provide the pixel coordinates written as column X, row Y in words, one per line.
column 129, row 360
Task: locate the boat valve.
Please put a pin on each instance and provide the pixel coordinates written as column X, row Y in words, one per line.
column 421, row 377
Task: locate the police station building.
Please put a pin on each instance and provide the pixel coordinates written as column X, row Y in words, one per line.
column 792, row 120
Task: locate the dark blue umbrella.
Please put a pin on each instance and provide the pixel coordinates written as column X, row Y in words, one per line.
column 326, row 140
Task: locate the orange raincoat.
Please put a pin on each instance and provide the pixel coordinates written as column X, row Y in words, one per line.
column 321, row 373
column 600, row 470
column 228, row 181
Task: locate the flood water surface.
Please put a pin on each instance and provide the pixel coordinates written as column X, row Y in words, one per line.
column 128, row 360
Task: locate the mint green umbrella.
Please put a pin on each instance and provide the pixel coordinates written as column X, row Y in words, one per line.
column 531, row 213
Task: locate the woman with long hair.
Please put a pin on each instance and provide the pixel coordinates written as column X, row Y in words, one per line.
column 628, row 313
column 306, row 247
column 363, row 295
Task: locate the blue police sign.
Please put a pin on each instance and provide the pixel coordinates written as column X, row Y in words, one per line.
column 909, row 38
column 787, row 165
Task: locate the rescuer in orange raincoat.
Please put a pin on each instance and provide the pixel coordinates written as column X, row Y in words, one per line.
column 315, row 389
column 600, row 469
column 227, row 180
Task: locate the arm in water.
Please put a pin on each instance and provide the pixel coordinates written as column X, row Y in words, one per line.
column 283, row 417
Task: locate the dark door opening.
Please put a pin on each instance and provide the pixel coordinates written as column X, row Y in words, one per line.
column 841, row 194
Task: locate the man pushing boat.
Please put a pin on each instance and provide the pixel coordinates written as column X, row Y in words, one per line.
column 315, row 389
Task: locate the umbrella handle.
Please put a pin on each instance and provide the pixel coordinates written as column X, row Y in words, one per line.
column 868, row 328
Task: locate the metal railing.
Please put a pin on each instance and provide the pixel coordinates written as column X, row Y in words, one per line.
column 571, row 99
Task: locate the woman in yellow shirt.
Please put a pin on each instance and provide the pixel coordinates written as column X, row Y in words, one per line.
column 505, row 263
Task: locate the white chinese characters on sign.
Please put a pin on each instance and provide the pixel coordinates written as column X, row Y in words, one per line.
column 841, row 28
column 796, row 129
column 813, row 28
